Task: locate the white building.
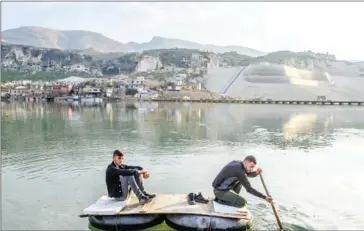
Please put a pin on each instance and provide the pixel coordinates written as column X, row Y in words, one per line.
column 139, row 80
column 109, row 92
column 72, row 80
column 18, row 91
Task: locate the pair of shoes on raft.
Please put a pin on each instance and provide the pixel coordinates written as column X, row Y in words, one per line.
column 192, row 198
column 146, row 198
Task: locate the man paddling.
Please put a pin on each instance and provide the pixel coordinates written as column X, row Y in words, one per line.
column 232, row 177
column 120, row 176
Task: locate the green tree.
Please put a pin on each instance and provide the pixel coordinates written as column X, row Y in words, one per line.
column 131, row 91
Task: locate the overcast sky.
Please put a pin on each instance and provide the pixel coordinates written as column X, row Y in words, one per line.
column 321, row 27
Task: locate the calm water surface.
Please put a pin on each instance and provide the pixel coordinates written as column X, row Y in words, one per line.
column 54, row 158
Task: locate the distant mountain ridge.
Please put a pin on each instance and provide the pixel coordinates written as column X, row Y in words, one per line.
column 64, row 40
column 84, row 40
column 158, row 42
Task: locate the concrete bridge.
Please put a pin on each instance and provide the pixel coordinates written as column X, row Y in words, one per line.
column 281, row 102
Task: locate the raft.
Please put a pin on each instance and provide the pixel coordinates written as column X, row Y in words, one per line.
column 221, row 217
column 242, row 221
column 109, row 214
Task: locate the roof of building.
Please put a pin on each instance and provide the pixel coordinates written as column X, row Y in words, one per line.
column 20, row 88
column 73, row 79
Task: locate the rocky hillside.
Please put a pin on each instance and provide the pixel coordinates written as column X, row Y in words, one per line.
column 33, row 62
column 80, row 40
column 19, row 61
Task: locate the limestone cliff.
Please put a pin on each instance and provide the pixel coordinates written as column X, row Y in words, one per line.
column 33, row 60
column 148, row 63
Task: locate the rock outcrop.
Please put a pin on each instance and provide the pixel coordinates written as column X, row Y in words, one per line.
column 32, row 60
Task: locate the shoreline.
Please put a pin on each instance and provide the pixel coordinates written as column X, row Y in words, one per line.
column 181, row 100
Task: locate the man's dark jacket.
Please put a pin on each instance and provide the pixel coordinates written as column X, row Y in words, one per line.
column 113, row 174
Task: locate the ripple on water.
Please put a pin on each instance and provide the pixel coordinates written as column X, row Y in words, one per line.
column 60, row 164
column 264, row 218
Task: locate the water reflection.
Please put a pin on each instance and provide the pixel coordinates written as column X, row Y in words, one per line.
column 60, row 151
column 303, row 127
column 299, row 125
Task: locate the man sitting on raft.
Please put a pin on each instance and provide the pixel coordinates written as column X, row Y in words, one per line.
column 228, row 182
column 120, row 176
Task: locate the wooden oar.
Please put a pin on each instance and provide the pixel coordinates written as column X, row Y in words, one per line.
column 273, row 207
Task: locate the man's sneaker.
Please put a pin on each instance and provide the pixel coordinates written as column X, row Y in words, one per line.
column 144, row 199
column 151, row 196
column 200, row 199
column 191, row 199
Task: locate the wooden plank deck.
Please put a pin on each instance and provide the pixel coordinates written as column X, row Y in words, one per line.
column 177, row 204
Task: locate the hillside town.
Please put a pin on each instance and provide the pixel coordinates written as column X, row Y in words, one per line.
column 97, row 89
